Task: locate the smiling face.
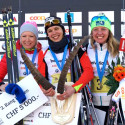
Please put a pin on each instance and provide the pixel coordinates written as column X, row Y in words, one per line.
column 100, row 34
column 55, row 33
column 28, row 40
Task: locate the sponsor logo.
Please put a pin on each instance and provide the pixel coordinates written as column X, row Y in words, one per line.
column 41, row 32
column 122, row 90
column 54, row 65
column 22, row 67
column 51, row 60
column 71, row 15
column 100, row 63
column 24, row 73
column 118, row 92
column 56, row 70
column 73, row 30
column 14, row 19
column 21, row 62
column 98, row 23
column 37, row 18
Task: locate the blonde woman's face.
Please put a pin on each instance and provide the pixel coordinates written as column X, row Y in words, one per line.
column 100, row 34
column 28, row 40
column 55, row 33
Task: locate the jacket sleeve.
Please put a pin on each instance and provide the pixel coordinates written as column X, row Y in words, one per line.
column 87, row 74
column 41, row 63
column 3, row 68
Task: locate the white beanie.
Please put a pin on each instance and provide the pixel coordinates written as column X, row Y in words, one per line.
column 29, row 26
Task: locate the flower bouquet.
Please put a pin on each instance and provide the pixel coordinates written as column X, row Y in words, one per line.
column 116, row 74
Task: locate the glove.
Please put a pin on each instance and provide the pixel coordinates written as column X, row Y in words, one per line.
column 16, row 90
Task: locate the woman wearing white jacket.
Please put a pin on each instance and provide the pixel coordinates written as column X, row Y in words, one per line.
column 103, row 48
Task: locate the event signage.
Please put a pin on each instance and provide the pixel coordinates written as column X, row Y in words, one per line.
column 39, row 18
column 11, row 111
column 43, row 114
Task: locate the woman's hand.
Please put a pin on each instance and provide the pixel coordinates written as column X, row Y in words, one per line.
column 69, row 90
column 49, row 92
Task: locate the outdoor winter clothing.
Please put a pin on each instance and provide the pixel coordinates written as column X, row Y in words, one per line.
column 100, row 97
column 21, row 66
column 53, row 72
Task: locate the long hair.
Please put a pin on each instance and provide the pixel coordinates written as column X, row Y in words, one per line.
column 112, row 44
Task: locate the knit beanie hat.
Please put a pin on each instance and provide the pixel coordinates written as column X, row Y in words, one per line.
column 53, row 21
column 100, row 20
column 29, row 26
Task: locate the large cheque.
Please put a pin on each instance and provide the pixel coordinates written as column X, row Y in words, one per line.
column 11, row 111
column 43, row 115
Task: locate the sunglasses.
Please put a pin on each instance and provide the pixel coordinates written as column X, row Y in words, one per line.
column 54, row 21
column 95, row 18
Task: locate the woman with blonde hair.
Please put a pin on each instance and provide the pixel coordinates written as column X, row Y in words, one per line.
column 102, row 50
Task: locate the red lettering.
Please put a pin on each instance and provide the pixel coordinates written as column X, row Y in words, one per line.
column 117, row 93
column 73, row 30
column 37, row 18
column 14, row 18
column 122, row 90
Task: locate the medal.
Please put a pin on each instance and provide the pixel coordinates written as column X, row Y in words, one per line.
column 100, row 86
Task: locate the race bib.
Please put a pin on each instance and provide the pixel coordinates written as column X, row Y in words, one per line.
column 97, row 87
column 55, row 78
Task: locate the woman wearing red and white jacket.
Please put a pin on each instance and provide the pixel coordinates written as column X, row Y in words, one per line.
column 55, row 56
column 28, row 40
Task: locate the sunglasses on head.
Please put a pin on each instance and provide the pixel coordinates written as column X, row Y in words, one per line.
column 54, row 21
column 95, row 18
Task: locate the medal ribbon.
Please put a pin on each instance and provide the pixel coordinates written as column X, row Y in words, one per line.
column 33, row 59
column 101, row 73
column 63, row 59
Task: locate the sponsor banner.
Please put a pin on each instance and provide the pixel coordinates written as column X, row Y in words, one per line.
column 112, row 29
column 2, row 46
column 44, row 44
column 37, row 17
column 2, row 32
column 76, row 17
column 11, row 111
column 43, row 115
column 41, row 32
column 15, row 18
column 123, row 29
column 76, row 30
column 123, row 16
column 109, row 14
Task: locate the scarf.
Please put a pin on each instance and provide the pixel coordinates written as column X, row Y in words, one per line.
column 58, row 47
